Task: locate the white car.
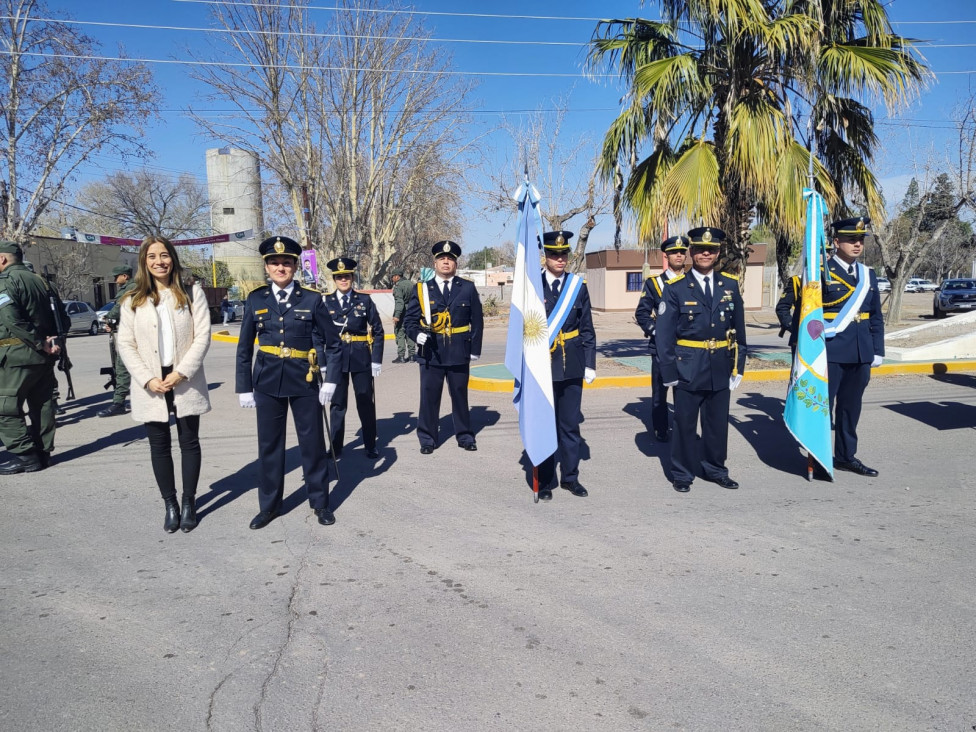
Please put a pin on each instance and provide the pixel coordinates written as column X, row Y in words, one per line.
column 83, row 317
column 884, row 284
column 917, row 284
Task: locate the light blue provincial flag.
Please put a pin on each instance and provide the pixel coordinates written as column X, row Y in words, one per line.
column 807, row 409
column 527, row 350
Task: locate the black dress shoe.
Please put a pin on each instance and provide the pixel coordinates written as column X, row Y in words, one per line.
column 188, row 517
column 470, row 447
column 725, row 482
column 263, row 519
column 325, row 516
column 372, row 453
column 27, row 463
column 545, row 494
column 399, row 360
column 856, row 466
column 681, row 486
column 661, row 435
column 426, row 449
column 172, row 521
column 112, row 410
column 575, row 488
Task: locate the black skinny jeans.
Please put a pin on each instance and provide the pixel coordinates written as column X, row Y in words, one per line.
column 160, row 450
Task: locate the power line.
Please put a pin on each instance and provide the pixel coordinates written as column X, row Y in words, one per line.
column 416, row 39
column 289, row 67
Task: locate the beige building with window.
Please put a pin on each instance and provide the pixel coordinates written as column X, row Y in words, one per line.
column 615, row 278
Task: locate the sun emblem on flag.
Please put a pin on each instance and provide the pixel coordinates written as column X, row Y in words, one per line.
column 534, row 328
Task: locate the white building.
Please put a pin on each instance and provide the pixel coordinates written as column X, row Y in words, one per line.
column 234, row 186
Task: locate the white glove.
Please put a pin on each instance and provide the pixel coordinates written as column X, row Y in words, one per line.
column 325, row 392
column 734, row 381
column 474, row 358
column 377, row 368
column 877, row 361
column 669, row 384
column 421, row 339
column 589, row 375
column 247, row 400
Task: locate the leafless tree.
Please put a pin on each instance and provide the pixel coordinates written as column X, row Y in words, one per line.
column 359, row 123
column 563, row 170
column 60, row 105
column 929, row 213
column 143, row 204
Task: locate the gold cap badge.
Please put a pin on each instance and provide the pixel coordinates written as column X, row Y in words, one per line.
column 707, row 236
column 446, row 247
column 279, row 246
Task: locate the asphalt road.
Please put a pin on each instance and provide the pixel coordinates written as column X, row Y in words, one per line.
column 444, row 599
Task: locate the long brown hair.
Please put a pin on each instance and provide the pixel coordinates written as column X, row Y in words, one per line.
column 145, row 288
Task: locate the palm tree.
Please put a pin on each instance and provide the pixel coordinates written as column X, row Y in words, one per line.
column 723, row 91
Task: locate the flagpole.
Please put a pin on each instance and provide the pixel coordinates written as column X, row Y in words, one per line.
column 812, row 151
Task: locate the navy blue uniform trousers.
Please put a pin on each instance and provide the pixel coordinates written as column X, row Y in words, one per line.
column 846, row 383
column 568, row 396
column 431, row 387
column 713, row 406
column 362, row 387
column 307, row 416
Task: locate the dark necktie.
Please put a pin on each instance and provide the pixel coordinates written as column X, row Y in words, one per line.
column 555, row 289
column 851, row 272
column 344, row 302
column 447, row 289
column 708, row 290
column 282, row 295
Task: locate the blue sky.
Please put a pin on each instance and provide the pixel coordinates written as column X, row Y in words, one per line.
column 551, row 49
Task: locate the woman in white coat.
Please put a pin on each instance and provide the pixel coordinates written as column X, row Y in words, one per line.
column 164, row 334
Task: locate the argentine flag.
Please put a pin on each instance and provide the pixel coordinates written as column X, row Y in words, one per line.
column 527, row 348
column 807, row 409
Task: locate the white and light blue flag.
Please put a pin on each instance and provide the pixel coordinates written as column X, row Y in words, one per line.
column 527, row 350
column 807, row 409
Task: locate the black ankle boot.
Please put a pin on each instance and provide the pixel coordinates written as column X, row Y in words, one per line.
column 172, row 522
column 188, row 521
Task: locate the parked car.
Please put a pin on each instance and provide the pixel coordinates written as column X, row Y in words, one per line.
column 884, row 284
column 953, row 297
column 102, row 312
column 917, row 284
column 84, row 319
column 238, row 310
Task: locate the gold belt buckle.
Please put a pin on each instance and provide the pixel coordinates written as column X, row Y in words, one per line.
column 710, row 344
column 285, row 352
column 346, row 338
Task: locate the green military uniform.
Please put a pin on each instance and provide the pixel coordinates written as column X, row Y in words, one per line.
column 402, row 291
column 26, row 371
column 122, row 378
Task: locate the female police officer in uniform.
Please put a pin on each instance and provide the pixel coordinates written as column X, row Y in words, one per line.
column 361, row 336
column 287, row 319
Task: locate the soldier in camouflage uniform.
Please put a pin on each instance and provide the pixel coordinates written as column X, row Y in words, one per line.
column 402, row 290
column 27, row 333
column 124, row 283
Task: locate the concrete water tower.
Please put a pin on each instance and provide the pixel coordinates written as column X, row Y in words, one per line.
column 234, row 187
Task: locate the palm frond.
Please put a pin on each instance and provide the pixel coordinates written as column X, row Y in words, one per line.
column 670, row 83
column 757, row 139
column 887, row 73
column 692, row 186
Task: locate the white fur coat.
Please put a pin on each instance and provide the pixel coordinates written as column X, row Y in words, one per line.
column 138, row 346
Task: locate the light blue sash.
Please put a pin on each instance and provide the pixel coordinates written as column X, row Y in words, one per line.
column 853, row 305
column 567, row 298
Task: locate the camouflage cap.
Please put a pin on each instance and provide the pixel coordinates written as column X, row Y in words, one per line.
column 11, row 247
column 122, row 269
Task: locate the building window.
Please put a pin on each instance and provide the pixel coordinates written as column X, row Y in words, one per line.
column 635, row 281
column 228, row 212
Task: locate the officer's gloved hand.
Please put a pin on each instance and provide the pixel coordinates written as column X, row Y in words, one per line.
column 877, row 361
column 734, row 381
column 474, row 358
column 325, row 392
column 421, row 339
column 377, row 368
column 589, row 375
column 669, row 384
column 247, row 400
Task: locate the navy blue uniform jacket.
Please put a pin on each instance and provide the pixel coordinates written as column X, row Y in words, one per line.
column 788, row 308
column 581, row 350
column 465, row 309
column 358, row 319
column 294, row 327
column 686, row 317
column 646, row 311
column 861, row 340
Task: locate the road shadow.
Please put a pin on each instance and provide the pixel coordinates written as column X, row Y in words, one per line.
column 644, row 439
column 231, row 487
column 766, row 432
column 939, row 415
column 74, row 411
column 355, row 467
column 942, row 375
column 481, row 417
column 123, row 437
column 526, row 464
column 624, row 347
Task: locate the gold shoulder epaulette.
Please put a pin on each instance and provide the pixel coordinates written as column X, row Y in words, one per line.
column 657, row 285
column 675, row 279
column 730, row 276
